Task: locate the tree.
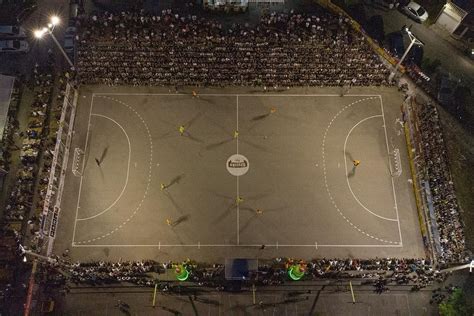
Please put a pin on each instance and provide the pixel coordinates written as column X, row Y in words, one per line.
column 455, row 305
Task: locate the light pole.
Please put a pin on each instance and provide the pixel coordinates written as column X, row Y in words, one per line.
column 413, row 41
column 49, row 29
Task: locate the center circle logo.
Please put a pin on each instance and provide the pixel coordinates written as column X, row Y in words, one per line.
column 237, row 165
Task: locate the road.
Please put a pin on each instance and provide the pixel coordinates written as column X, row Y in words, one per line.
column 289, row 299
column 452, row 59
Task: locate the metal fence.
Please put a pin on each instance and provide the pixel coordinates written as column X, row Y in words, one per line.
column 52, row 202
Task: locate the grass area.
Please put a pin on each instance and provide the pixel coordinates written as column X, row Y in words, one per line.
column 460, row 148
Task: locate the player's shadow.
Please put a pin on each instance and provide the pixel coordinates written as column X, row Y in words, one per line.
column 233, row 204
column 260, row 117
column 180, row 220
column 225, row 213
column 247, row 223
column 175, row 180
column 104, row 154
column 352, row 172
column 193, row 138
column 219, row 144
column 208, row 301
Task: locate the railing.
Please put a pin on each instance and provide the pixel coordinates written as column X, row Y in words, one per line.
column 52, row 202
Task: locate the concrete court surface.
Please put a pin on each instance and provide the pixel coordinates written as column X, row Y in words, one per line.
column 313, row 201
column 367, row 303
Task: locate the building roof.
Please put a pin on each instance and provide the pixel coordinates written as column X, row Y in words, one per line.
column 6, row 89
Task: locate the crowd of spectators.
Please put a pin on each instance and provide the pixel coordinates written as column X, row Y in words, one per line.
column 448, row 228
column 20, row 200
column 282, row 50
column 137, row 48
column 416, row 273
column 33, row 144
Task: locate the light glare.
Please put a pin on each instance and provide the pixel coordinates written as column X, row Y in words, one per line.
column 39, row 33
column 54, row 20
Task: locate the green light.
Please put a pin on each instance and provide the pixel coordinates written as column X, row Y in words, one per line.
column 181, row 273
column 295, row 272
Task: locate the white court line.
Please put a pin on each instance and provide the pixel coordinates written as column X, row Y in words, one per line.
column 241, row 245
column 82, row 173
column 347, row 177
column 128, row 170
column 226, row 245
column 243, row 95
column 238, row 186
column 390, row 168
column 148, row 180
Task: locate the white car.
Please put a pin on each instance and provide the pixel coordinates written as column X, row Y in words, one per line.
column 415, row 11
column 14, row 46
column 10, row 31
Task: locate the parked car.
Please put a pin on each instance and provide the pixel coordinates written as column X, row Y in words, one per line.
column 11, row 31
column 69, row 39
column 395, row 44
column 415, row 11
column 14, row 46
column 446, row 91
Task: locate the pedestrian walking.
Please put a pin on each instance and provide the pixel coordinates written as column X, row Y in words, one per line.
column 162, row 186
column 239, row 200
column 97, row 161
column 236, row 134
column 258, row 211
column 273, row 110
column 356, row 162
column 195, row 94
column 169, row 222
column 262, row 247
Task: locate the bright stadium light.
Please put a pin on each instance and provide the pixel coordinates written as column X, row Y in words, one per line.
column 55, row 20
column 413, row 41
column 40, row 33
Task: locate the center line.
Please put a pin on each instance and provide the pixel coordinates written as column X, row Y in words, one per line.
column 238, row 189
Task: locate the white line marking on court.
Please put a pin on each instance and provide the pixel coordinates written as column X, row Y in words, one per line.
column 148, row 180
column 241, row 245
column 83, row 167
column 238, row 187
column 242, row 95
column 126, row 177
column 325, row 173
column 347, row 177
column 390, row 167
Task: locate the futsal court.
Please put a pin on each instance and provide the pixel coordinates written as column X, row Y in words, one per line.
column 322, row 175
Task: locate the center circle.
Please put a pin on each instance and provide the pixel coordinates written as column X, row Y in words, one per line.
column 237, row 165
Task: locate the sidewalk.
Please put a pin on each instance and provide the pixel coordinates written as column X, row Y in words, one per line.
column 455, row 43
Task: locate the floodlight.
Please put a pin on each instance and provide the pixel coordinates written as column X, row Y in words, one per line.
column 55, row 20
column 39, row 33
